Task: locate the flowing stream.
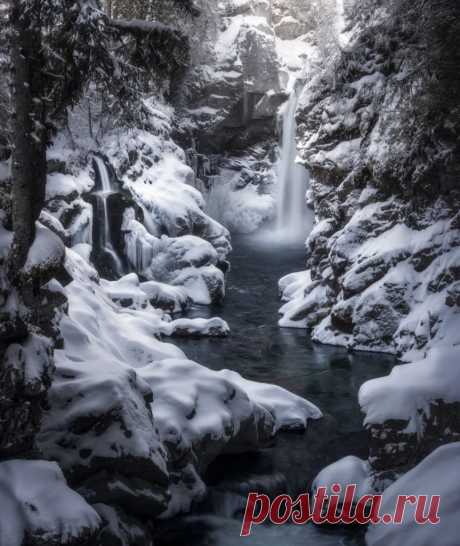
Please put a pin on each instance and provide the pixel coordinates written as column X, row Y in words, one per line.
column 260, row 350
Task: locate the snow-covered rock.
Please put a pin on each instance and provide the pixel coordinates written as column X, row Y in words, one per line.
column 413, row 410
column 348, row 471
column 433, row 476
column 99, row 426
column 188, row 262
column 214, row 327
column 173, row 299
column 202, row 414
column 131, row 420
column 382, row 261
column 151, row 195
column 234, row 91
column 39, row 508
column 45, row 255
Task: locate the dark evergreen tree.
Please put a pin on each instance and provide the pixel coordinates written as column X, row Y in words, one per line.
column 57, row 47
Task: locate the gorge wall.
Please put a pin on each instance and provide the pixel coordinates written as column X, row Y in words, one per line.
column 378, row 128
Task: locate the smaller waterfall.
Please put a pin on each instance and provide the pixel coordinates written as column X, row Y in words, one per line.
column 293, row 216
column 102, row 209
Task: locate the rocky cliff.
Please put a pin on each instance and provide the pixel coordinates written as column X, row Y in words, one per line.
column 383, row 259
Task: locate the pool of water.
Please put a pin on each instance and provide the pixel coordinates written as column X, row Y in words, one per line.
column 260, row 350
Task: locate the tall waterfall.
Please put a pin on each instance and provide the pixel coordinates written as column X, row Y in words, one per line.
column 293, row 216
column 102, row 196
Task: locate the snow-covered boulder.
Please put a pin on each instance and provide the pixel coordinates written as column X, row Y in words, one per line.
column 414, row 409
column 348, row 471
column 173, row 299
column 214, row 327
column 99, row 425
column 433, row 476
column 38, row 507
column 202, row 414
column 131, row 420
column 187, row 262
column 45, row 256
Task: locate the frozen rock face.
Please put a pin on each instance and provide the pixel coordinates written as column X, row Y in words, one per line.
column 382, row 261
column 293, row 18
column 234, row 94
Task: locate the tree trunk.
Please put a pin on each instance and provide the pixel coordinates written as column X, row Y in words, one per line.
column 29, row 133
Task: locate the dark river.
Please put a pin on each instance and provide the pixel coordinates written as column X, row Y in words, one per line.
column 258, row 349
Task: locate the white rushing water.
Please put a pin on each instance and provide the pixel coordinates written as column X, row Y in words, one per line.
column 294, row 219
column 103, row 212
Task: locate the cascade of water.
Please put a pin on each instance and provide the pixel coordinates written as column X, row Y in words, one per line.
column 102, row 196
column 293, row 216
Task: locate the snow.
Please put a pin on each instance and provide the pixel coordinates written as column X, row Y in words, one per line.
column 198, row 327
column 37, row 503
column 293, row 284
column 212, row 413
column 64, row 185
column 342, row 155
column 95, row 376
column 304, row 299
column 188, row 262
column 347, row 471
column 290, row 412
column 295, row 57
column 435, row 475
column 292, row 288
column 113, row 359
column 162, row 185
column 46, row 250
column 410, row 388
column 93, row 318
column 174, row 298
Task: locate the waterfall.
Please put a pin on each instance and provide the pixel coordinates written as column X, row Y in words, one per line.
column 293, row 216
column 102, row 209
